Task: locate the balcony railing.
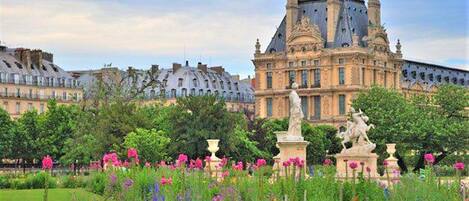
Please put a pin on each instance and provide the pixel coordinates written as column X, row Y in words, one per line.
column 227, row 98
column 39, row 84
column 28, row 96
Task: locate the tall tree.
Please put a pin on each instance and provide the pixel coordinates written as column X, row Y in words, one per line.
column 6, row 142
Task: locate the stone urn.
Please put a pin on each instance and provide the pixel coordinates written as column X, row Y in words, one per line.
column 391, row 149
column 213, row 147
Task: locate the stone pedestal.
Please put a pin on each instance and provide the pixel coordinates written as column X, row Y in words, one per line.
column 392, row 161
column 368, row 159
column 290, row 147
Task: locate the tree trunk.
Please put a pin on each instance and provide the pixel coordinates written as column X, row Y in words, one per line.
column 401, row 163
column 24, row 166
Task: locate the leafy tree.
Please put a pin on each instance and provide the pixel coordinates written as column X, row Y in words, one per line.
column 420, row 124
column 151, row 145
column 25, row 135
column 6, row 136
column 198, row 118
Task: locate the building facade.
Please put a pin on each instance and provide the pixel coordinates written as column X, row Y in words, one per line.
column 178, row 81
column 332, row 49
column 29, row 79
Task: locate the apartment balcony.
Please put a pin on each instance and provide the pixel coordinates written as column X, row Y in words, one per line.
column 37, row 97
column 40, row 84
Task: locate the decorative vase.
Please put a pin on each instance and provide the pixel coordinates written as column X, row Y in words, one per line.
column 391, row 149
column 213, row 147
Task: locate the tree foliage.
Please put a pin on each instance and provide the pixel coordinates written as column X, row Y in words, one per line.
column 150, row 144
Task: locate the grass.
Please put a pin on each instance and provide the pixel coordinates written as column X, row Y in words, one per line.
column 59, row 194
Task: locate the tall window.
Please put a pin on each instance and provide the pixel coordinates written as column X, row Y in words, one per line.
column 317, row 107
column 41, row 108
column 269, row 107
column 291, row 77
column 341, row 76
column 304, row 106
column 304, row 78
column 30, row 93
column 18, row 108
column 6, row 92
column 222, row 85
column 184, row 92
column 316, row 63
column 317, row 77
column 363, row 76
column 303, row 63
column 342, row 104
column 194, row 82
column 206, row 84
column 173, row 93
column 385, row 79
column 269, row 80
column 395, row 80
column 30, row 106
column 374, row 76
column 64, row 95
column 180, row 82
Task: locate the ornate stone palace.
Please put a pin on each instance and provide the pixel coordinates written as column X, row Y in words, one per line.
column 29, row 79
column 333, row 49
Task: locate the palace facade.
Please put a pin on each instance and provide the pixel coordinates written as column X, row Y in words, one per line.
column 29, row 79
column 334, row 49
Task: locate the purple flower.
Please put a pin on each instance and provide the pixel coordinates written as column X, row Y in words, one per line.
column 217, row 198
column 128, row 183
column 113, row 178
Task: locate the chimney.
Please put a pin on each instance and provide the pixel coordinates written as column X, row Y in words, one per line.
column 48, row 57
column 187, row 63
column 374, row 12
column 176, row 67
column 36, row 58
column 202, row 67
column 24, row 55
column 154, row 68
column 235, row 77
column 292, row 16
column 333, row 7
column 218, row 69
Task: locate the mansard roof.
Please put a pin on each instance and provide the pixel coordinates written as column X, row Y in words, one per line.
column 353, row 19
column 416, row 72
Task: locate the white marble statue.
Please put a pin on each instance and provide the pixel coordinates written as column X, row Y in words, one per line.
column 296, row 114
column 357, row 133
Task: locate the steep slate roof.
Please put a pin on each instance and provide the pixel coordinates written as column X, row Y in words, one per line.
column 353, row 18
column 426, row 74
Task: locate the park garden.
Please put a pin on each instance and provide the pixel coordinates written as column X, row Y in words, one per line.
column 108, row 148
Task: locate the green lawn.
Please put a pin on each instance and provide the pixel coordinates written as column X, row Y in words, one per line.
column 59, row 194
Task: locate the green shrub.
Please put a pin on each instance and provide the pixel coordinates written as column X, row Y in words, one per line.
column 70, row 181
column 97, row 183
column 4, row 182
column 18, row 184
column 36, row 181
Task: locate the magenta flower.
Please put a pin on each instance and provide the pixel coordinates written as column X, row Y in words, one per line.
column 368, row 169
column 128, row 183
column 353, row 165
column 238, row 166
column 385, row 163
column 261, row 162
column 429, row 158
column 132, row 153
column 110, row 158
column 47, row 163
column 166, row 181
column 223, row 162
column 327, row 162
column 147, row 164
column 182, row 159
column 217, row 198
column 208, row 159
column 459, row 166
column 225, row 173
column 125, row 164
column 286, row 163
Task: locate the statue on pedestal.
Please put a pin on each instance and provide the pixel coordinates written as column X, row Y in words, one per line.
column 296, row 114
column 357, row 133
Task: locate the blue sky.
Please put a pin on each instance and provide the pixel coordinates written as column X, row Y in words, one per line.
column 85, row 34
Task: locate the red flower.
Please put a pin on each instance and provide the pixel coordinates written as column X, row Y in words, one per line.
column 353, row 165
column 327, row 162
column 385, row 163
column 459, row 166
column 286, row 163
column 429, row 158
column 132, row 153
column 165, row 181
column 368, row 169
column 261, row 162
column 47, row 163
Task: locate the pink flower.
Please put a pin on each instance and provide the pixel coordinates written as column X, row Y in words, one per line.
column 163, row 163
column 199, row 163
column 429, row 158
column 111, row 157
column 385, row 163
column 238, row 166
column 368, row 169
column 126, row 164
column 47, row 163
column 223, row 162
column 458, row 166
column 298, row 162
column 165, row 181
column 327, row 162
column 261, row 162
column 182, row 159
column 117, row 163
column 132, row 153
column 286, row 163
column 353, row 165
column 208, row 159
column 147, row 164
column 225, row 173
